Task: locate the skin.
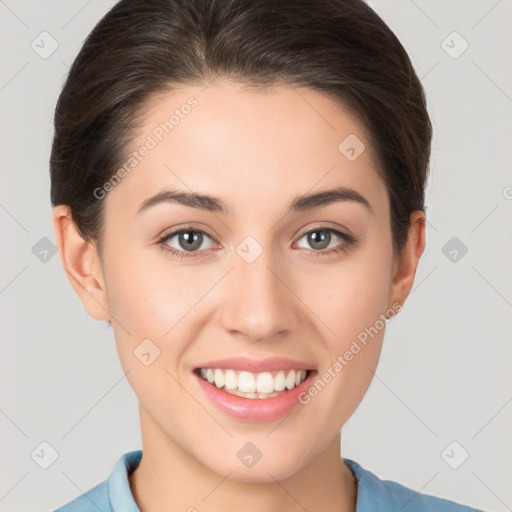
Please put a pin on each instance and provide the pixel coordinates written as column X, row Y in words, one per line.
column 257, row 150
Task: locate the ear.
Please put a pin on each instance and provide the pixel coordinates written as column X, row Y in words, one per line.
column 407, row 261
column 82, row 264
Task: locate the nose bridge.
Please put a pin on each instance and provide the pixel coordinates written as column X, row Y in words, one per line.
column 258, row 303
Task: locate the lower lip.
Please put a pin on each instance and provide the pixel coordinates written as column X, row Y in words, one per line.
column 255, row 409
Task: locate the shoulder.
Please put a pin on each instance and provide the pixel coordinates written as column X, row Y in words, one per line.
column 388, row 496
column 112, row 495
column 93, row 500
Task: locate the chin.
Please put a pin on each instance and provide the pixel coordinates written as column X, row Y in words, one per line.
column 272, row 466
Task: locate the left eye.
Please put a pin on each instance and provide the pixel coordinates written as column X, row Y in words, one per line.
column 320, row 238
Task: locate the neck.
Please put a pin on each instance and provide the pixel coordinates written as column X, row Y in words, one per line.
column 168, row 477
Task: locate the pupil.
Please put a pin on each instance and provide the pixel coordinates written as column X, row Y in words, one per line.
column 191, row 241
column 314, row 239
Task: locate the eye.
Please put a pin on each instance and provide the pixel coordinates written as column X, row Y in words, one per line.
column 188, row 242
column 321, row 238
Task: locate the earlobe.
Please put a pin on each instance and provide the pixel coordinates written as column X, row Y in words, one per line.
column 81, row 263
column 407, row 261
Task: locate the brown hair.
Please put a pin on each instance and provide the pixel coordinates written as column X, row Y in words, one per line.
column 341, row 48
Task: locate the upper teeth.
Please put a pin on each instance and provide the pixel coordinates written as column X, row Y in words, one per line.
column 248, row 382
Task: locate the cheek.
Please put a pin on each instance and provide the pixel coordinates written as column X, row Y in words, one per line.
column 150, row 307
column 350, row 296
column 154, row 309
column 351, row 300
column 145, row 295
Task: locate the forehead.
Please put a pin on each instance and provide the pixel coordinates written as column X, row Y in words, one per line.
column 246, row 145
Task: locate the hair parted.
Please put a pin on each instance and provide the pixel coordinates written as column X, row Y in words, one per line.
column 140, row 48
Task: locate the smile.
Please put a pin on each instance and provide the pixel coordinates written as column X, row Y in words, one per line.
column 251, row 385
column 254, row 390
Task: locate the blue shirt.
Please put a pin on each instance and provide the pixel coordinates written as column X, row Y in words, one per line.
column 373, row 494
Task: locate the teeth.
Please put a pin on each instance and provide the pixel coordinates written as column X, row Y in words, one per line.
column 246, row 382
column 280, row 381
column 290, row 380
column 230, row 379
column 265, row 382
column 219, row 378
column 253, row 385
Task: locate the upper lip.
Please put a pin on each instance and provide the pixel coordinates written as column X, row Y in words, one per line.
column 256, row 365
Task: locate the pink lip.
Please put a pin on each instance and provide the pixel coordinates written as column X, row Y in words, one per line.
column 255, row 409
column 257, row 365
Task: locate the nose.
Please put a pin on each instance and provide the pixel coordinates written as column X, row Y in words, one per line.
column 259, row 303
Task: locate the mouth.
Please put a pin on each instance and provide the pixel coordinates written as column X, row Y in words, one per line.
column 254, row 390
column 245, row 384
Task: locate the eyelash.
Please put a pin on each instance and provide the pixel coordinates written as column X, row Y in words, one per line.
column 348, row 242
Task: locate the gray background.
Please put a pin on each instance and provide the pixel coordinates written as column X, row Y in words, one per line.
column 445, row 371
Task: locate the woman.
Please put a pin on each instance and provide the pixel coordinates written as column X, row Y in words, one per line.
column 238, row 188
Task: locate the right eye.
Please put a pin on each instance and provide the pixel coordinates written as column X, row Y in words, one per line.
column 189, row 241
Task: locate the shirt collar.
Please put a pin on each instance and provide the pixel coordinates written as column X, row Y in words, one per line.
column 121, row 497
column 119, row 492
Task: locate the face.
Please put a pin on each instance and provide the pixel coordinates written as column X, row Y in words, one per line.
column 254, row 274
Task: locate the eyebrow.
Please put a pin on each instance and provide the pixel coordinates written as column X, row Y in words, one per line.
column 216, row 205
